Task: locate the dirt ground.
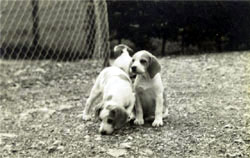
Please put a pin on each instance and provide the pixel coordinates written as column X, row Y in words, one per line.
column 208, row 98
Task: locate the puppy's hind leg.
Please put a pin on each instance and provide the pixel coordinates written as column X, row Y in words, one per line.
column 94, row 94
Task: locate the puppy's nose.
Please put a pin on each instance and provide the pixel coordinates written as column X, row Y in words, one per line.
column 103, row 132
column 133, row 68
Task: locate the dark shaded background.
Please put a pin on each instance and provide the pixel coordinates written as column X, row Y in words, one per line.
column 32, row 30
column 178, row 27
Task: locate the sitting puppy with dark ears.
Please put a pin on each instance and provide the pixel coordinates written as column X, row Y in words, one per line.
column 118, row 98
column 150, row 100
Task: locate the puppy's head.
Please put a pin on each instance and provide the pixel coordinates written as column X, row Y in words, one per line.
column 124, row 60
column 112, row 117
column 121, row 48
column 143, row 62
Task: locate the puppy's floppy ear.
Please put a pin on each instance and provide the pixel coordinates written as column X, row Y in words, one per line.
column 120, row 117
column 131, row 74
column 130, row 50
column 154, row 66
column 98, row 110
column 129, row 65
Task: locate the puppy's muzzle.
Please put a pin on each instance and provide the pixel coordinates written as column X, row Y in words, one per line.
column 133, row 68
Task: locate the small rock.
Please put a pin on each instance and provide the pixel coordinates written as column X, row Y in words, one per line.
column 86, row 137
column 40, row 70
column 67, row 131
column 228, row 126
column 41, row 143
column 79, row 116
column 147, row 152
column 98, row 138
column 230, row 107
column 45, row 125
column 57, row 142
column 65, row 107
column 19, row 72
column 117, row 152
column 60, row 147
column 9, row 135
column 239, row 141
column 80, row 128
column 145, row 135
column 127, row 145
column 59, row 65
column 52, row 149
column 233, row 155
column 7, row 147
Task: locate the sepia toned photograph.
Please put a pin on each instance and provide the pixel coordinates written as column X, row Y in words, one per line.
column 124, row 78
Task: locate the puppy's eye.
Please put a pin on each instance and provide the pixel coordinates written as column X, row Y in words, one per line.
column 133, row 60
column 142, row 61
column 110, row 121
column 126, row 107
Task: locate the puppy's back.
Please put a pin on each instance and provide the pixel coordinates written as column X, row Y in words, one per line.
column 111, row 72
column 116, row 82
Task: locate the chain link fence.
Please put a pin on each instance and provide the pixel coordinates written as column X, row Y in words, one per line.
column 50, row 53
column 54, row 29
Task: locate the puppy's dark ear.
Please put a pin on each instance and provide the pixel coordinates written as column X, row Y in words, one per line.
column 130, row 51
column 118, row 49
column 98, row 110
column 120, row 117
column 130, row 73
column 154, row 66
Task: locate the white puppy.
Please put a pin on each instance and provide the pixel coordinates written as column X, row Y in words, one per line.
column 149, row 89
column 118, row 99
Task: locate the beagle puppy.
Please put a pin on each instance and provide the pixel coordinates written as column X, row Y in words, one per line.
column 118, row 98
column 150, row 100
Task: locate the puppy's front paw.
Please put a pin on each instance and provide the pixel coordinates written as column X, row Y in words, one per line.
column 139, row 121
column 131, row 117
column 86, row 117
column 157, row 123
